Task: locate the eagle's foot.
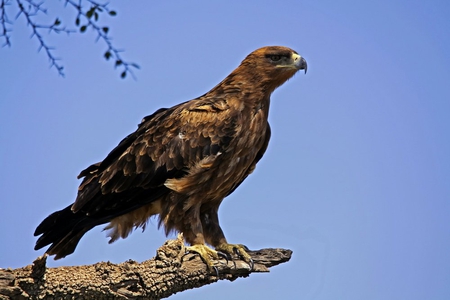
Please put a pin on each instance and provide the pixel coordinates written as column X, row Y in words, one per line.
column 238, row 249
column 206, row 254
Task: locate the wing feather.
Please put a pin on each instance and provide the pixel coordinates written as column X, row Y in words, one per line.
column 166, row 146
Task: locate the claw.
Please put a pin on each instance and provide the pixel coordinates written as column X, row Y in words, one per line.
column 239, row 250
column 217, row 271
column 228, row 257
column 205, row 254
column 243, row 256
column 225, row 256
column 251, row 264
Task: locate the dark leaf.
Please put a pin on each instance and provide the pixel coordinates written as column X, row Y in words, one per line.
column 96, row 16
column 112, row 13
column 118, row 62
column 83, row 28
column 124, row 74
column 77, row 21
column 107, row 55
column 57, row 22
column 90, row 12
column 105, row 30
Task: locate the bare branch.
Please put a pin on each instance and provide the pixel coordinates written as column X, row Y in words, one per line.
column 29, row 9
column 3, row 21
column 171, row 271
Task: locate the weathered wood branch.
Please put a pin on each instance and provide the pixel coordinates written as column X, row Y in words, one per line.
column 171, row 271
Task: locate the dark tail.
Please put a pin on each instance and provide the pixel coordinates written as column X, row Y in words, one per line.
column 63, row 230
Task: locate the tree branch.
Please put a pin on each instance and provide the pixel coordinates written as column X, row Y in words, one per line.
column 171, row 271
column 87, row 17
column 3, row 21
column 91, row 16
column 28, row 13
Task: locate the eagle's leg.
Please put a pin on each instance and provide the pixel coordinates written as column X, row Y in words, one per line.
column 214, row 236
column 193, row 234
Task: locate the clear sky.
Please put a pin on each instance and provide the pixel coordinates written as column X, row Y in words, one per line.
column 356, row 180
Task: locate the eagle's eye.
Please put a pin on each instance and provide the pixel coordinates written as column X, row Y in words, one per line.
column 275, row 57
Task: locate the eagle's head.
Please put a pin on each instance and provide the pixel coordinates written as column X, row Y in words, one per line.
column 272, row 65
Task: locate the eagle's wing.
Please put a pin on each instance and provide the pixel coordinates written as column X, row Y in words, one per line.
column 166, row 145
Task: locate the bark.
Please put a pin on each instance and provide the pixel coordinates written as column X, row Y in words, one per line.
column 171, row 271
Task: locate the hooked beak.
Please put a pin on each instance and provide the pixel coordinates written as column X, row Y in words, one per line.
column 299, row 62
column 303, row 65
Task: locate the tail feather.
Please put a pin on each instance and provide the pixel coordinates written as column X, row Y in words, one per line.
column 52, row 220
column 66, row 245
column 63, row 230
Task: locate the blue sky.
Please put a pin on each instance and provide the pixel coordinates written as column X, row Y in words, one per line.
column 356, row 180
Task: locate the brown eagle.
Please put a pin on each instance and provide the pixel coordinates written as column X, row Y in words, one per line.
column 180, row 164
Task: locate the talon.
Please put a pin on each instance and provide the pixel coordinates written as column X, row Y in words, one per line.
column 205, row 254
column 234, row 263
column 186, row 253
column 217, row 271
column 225, row 256
column 239, row 250
column 228, row 258
column 251, row 264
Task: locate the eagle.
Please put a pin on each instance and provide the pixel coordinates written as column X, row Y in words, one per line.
column 180, row 164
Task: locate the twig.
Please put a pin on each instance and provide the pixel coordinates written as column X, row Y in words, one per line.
column 29, row 9
column 3, row 21
column 91, row 16
column 32, row 10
